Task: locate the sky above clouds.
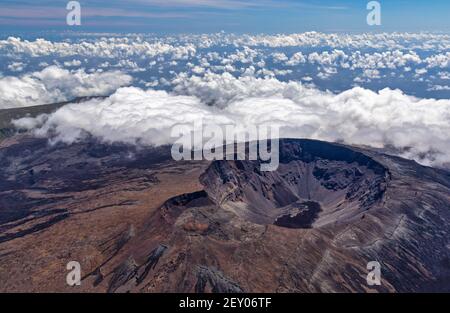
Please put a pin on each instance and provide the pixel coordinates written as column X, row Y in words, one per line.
column 241, row 16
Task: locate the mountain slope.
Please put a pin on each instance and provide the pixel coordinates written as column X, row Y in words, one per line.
column 138, row 221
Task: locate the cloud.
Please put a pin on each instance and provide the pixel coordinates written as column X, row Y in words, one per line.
column 418, row 128
column 439, row 88
column 371, row 74
column 391, row 41
column 440, row 60
column 104, row 47
column 16, row 66
column 73, row 63
column 129, row 115
column 54, row 84
column 401, row 46
column 193, row 71
column 296, row 59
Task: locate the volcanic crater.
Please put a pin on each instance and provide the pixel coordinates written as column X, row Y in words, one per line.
column 138, row 221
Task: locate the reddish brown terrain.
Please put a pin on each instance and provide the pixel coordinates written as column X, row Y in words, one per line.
column 137, row 221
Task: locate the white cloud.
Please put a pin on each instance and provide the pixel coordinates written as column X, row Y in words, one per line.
column 439, row 88
column 296, row 59
column 363, row 51
column 279, row 57
column 104, row 47
column 371, row 74
column 54, row 84
column 73, row 63
column 326, row 73
column 439, row 60
column 130, row 65
column 421, row 71
column 417, row 127
column 16, row 66
column 245, row 56
column 444, row 75
column 198, row 70
column 391, row 41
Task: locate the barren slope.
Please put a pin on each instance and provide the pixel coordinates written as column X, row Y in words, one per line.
column 138, row 221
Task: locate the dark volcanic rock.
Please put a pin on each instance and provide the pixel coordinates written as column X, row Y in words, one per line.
column 213, row 281
column 141, row 222
column 341, row 180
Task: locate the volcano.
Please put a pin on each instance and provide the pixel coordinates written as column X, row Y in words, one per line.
column 138, row 221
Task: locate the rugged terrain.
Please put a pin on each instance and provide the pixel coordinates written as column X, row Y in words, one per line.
column 8, row 115
column 137, row 221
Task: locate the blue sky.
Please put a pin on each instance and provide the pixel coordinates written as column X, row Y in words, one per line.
column 241, row 16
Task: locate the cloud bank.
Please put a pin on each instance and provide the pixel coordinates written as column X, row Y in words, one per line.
column 417, row 63
column 54, row 84
column 417, row 128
